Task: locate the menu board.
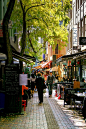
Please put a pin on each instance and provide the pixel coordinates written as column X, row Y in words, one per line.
column 12, row 79
column 76, row 84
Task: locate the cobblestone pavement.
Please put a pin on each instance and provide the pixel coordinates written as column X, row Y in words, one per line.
column 51, row 115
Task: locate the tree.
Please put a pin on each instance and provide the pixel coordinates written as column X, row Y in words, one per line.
column 41, row 19
column 6, row 33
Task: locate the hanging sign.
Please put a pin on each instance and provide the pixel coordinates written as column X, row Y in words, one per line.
column 82, row 40
column 23, row 79
column 78, row 15
column 84, row 8
column 82, row 12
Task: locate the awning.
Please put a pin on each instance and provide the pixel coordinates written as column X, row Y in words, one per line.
column 3, row 56
column 15, row 54
column 21, row 58
column 45, row 64
column 47, row 69
column 25, row 58
column 38, row 67
column 72, row 56
column 55, row 68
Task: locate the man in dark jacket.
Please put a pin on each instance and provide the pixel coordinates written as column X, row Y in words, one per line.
column 39, row 85
column 49, row 82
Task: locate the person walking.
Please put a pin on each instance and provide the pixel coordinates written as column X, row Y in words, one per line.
column 42, row 75
column 39, row 84
column 49, row 82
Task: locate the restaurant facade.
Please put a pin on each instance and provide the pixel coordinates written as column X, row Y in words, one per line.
column 73, row 63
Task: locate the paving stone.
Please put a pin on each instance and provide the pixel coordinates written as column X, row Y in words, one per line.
column 50, row 115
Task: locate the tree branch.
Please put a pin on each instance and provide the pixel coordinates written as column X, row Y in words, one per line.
column 33, row 18
column 34, row 6
column 31, row 42
column 45, row 22
column 32, row 46
column 22, row 6
column 39, row 19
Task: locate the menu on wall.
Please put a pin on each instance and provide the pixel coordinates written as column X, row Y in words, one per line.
column 12, row 79
column 23, row 79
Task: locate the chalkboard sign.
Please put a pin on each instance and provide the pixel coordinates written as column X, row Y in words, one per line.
column 12, row 79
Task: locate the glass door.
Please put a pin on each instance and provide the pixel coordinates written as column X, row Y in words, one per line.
column 69, row 74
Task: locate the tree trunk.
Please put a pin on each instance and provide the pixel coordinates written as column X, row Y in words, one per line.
column 23, row 40
column 6, row 33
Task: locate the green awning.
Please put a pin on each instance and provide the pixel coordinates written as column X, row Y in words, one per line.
column 21, row 58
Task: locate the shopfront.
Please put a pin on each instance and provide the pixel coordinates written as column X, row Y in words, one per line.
column 83, row 63
column 74, row 66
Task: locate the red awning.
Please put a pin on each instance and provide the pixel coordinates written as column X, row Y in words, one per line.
column 46, row 64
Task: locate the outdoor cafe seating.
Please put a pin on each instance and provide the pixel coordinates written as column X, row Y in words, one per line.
column 75, row 97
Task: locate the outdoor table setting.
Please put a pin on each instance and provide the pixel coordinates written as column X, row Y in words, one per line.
column 80, row 94
column 79, row 99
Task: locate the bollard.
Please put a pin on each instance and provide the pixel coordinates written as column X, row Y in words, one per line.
column 59, row 96
column 56, row 93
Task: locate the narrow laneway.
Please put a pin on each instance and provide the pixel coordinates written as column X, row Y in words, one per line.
column 50, row 115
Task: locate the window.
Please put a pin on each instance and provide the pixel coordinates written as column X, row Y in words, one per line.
column 79, row 4
column 85, row 20
column 56, row 49
column 81, row 1
column 85, row 33
column 82, row 23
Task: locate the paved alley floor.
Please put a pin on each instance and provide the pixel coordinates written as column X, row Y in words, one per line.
column 51, row 115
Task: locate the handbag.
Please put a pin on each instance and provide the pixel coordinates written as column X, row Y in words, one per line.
column 44, row 91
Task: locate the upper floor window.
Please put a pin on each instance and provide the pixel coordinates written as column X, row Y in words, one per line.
column 85, row 20
column 56, row 49
column 82, row 23
column 78, row 4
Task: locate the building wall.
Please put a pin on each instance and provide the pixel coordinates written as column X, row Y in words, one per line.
column 77, row 26
column 55, row 54
column 3, row 8
column 13, row 38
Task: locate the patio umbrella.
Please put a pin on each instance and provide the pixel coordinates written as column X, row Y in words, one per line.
column 47, row 70
column 55, row 68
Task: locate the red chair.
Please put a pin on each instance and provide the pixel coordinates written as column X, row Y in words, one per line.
column 24, row 104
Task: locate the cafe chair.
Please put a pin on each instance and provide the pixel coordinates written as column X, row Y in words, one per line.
column 78, row 105
column 24, row 104
column 72, row 103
